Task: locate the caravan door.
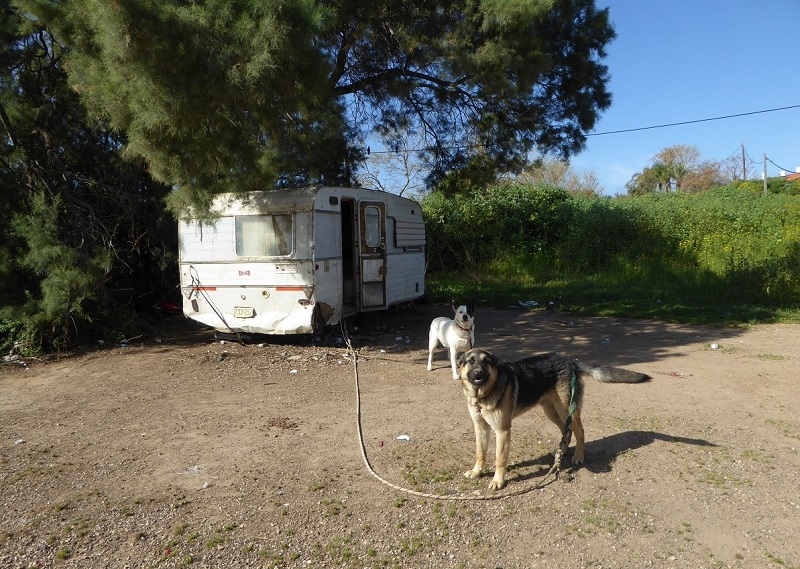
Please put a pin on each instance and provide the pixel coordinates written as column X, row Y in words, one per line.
column 372, row 254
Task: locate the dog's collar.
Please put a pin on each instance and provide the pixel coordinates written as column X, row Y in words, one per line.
column 468, row 330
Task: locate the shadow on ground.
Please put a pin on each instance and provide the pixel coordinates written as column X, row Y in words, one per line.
column 602, row 453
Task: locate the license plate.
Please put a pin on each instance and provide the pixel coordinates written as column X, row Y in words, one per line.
column 244, row 311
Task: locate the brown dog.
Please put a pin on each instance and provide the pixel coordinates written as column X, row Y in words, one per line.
column 497, row 392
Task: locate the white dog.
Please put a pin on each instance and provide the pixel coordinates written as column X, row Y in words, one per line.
column 457, row 334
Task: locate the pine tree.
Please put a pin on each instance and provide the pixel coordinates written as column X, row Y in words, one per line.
column 229, row 94
column 77, row 222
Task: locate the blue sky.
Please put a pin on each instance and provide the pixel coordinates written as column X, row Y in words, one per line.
column 684, row 60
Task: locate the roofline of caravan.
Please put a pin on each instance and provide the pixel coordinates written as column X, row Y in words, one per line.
column 286, row 200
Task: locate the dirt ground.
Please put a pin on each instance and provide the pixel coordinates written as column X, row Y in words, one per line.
column 179, row 449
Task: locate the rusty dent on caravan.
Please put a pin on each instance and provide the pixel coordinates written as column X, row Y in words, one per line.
column 294, row 261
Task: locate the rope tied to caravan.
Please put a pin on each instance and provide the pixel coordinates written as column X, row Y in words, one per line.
column 555, row 469
column 198, row 289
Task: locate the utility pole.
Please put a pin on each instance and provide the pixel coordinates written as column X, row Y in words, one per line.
column 765, row 173
column 744, row 164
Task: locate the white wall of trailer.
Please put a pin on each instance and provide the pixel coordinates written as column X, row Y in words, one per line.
column 282, row 291
column 405, row 278
column 405, row 236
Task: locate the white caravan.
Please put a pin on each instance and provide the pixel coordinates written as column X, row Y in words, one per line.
column 292, row 261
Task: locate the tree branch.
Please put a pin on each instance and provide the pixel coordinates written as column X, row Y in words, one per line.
column 341, row 57
column 396, row 72
column 7, row 125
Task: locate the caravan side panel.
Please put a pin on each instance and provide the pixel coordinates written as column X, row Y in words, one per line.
column 405, row 249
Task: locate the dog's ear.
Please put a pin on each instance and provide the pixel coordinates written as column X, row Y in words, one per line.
column 460, row 361
column 454, row 304
column 493, row 359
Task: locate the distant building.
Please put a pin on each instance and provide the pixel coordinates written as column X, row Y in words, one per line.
column 790, row 177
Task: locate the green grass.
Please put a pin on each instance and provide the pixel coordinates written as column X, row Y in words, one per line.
column 63, row 554
column 214, row 541
column 608, row 295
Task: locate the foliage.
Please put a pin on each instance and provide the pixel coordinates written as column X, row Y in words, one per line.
column 78, row 225
column 654, row 178
column 559, row 174
column 774, row 186
column 225, row 95
column 466, row 231
column 69, row 280
column 473, row 177
column 707, row 175
column 751, row 241
column 723, row 255
column 679, row 168
column 677, row 162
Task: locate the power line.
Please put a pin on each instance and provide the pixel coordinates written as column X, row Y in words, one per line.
column 652, row 127
column 735, row 152
column 759, row 162
column 778, row 167
column 693, row 121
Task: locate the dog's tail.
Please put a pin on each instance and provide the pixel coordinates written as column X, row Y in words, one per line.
column 608, row 374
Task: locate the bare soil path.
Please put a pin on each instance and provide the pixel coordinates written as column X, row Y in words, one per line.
column 190, row 452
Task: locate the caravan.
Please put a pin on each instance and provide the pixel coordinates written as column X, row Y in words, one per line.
column 293, row 261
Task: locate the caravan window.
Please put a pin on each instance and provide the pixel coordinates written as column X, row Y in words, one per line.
column 372, row 226
column 263, row 235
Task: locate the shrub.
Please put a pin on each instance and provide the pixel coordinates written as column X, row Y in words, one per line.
column 472, row 229
column 728, row 245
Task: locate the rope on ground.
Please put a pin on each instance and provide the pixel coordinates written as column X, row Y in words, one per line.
column 497, row 496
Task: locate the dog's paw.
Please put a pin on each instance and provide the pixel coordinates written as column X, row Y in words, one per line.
column 577, row 459
column 496, row 484
column 430, row 367
column 455, row 378
column 472, row 474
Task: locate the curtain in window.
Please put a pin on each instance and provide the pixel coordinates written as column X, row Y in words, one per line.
column 263, row 235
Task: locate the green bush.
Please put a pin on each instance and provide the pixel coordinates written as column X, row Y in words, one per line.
column 472, row 229
column 725, row 247
column 774, row 186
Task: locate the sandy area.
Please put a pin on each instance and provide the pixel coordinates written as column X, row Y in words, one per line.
column 181, row 450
